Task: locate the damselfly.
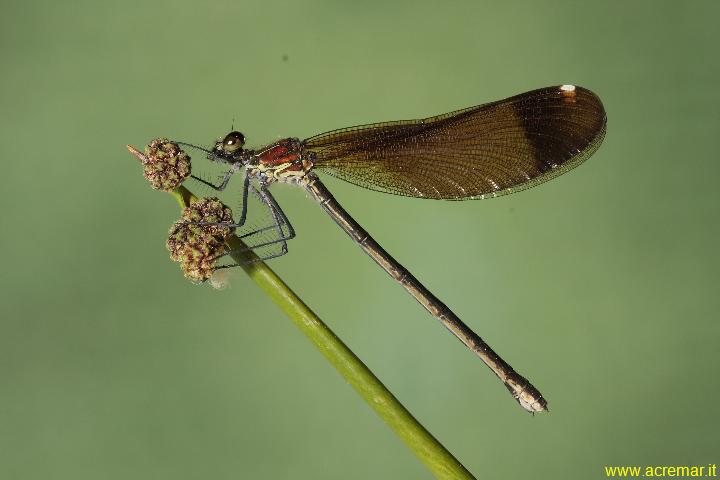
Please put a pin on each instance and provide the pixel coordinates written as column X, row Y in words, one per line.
column 475, row 153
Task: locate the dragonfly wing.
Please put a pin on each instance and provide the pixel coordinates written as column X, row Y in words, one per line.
column 488, row 150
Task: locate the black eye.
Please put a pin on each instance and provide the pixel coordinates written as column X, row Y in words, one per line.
column 233, row 142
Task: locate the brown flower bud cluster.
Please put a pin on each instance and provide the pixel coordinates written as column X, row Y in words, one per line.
column 197, row 240
column 165, row 164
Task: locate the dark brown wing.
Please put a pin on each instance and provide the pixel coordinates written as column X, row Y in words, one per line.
column 478, row 152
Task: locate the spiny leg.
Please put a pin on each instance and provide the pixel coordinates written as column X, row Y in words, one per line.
column 211, row 155
column 225, row 178
column 278, row 215
column 280, row 222
column 243, row 211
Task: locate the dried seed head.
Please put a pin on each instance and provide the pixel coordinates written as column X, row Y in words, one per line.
column 165, row 164
column 197, row 246
column 196, row 251
column 209, row 210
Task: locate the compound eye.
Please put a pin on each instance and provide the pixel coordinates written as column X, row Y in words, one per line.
column 233, row 142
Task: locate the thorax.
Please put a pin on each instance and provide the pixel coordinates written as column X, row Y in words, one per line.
column 283, row 161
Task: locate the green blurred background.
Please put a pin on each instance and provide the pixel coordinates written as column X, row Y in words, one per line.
column 601, row 286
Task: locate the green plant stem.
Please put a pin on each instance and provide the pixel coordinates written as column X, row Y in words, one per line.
column 428, row 449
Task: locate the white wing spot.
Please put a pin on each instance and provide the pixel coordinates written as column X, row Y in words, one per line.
column 568, row 92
